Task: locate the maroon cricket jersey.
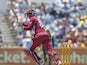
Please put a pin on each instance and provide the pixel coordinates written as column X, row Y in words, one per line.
column 36, row 25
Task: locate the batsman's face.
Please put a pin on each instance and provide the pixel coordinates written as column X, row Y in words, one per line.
column 29, row 15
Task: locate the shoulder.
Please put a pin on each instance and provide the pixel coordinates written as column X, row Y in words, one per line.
column 33, row 18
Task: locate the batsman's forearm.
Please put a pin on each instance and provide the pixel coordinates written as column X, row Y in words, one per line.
column 27, row 27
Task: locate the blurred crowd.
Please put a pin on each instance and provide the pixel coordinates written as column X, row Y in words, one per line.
column 64, row 20
column 1, row 37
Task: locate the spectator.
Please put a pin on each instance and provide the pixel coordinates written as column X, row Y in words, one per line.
column 1, row 39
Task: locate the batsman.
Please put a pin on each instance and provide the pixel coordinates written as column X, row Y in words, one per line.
column 40, row 37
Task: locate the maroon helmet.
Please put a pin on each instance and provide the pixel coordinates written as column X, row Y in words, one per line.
column 30, row 11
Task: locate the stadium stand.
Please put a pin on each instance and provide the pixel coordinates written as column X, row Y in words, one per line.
column 66, row 22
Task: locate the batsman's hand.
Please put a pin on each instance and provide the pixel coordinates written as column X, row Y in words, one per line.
column 25, row 24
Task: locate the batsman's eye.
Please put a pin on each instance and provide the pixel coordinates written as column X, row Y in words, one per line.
column 29, row 14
